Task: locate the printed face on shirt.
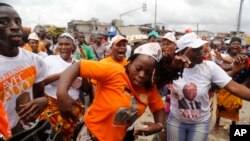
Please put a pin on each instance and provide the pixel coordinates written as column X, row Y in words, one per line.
column 189, row 91
column 10, row 27
column 141, row 69
column 167, row 47
column 65, row 47
column 119, row 50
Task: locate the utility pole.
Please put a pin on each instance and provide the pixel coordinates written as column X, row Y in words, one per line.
column 155, row 14
column 239, row 18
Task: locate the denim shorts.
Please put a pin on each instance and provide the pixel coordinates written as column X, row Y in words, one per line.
column 179, row 131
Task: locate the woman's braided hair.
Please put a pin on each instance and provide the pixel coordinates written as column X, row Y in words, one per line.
column 164, row 73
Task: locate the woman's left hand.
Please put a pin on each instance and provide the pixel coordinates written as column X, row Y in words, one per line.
column 151, row 128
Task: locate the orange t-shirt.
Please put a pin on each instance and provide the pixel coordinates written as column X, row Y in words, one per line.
column 111, row 60
column 114, row 92
column 41, row 47
column 4, row 123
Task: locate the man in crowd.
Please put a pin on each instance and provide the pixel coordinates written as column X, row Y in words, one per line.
column 98, row 48
column 21, row 73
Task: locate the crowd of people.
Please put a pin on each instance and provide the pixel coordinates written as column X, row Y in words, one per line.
column 47, row 76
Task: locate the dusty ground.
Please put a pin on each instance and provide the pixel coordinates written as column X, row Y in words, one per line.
column 222, row 135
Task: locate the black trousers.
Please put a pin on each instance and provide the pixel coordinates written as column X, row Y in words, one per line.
column 129, row 136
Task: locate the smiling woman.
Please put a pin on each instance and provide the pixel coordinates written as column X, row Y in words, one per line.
column 56, row 64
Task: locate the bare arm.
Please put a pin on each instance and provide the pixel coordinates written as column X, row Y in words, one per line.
column 227, row 59
column 65, row 102
column 51, row 78
column 160, row 117
column 238, row 90
column 38, row 89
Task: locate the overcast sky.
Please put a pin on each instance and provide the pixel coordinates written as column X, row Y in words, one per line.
column 212, row 15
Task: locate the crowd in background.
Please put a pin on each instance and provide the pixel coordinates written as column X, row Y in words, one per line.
column 47, row 75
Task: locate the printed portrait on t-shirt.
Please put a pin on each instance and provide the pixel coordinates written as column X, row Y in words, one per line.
column 189, row 107
column 21, row 100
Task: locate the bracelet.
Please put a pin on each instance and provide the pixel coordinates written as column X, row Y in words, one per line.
column 162, row 127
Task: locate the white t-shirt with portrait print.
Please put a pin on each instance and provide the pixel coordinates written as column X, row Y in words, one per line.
column 202, row 75
column 17, row 76
column 56, row 65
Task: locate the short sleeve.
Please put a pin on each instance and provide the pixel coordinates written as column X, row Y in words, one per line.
column 99, row 71
column 155, row 102
column 219, row 76
column 42, row 69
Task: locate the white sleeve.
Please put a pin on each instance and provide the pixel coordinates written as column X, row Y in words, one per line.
column 219, row 76
column 41, row 69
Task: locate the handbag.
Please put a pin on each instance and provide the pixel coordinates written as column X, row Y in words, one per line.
column 42, row 131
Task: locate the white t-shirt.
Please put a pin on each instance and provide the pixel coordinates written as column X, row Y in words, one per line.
column 57, row 65
column 202, row 75
column 128, row 52
column 42, row 54
column 17, row 76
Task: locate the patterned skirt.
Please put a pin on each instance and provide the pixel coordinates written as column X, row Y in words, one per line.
column 52, row 113
column 228, row 105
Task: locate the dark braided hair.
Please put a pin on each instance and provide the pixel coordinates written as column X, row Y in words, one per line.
column 164, row 73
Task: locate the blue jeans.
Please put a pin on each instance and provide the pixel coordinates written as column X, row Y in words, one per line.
column 179, row 131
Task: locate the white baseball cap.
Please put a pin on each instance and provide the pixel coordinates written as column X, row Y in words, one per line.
column 170, row 36
column 189, row 40
column 116, row 40
column 151, row 49
column 33, row 36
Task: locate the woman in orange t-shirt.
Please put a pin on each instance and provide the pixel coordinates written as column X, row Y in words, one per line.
column 122, row 95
